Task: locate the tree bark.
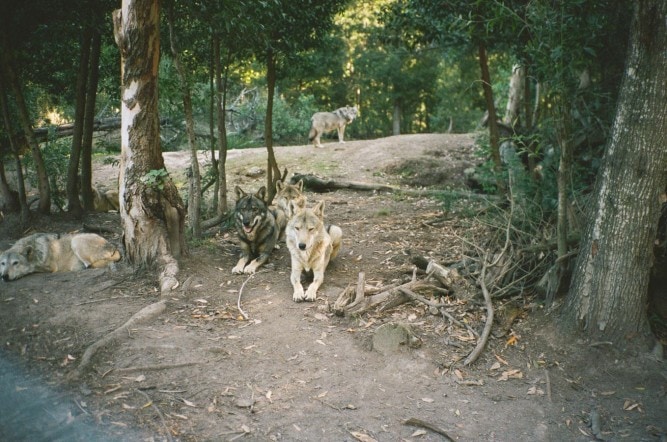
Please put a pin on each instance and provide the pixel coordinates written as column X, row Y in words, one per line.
column 152, row 215
column 73, row 203
column 89, row 123
column 608, row 294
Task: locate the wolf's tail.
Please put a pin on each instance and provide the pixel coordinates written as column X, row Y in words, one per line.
column 312, row 134
column 336, row 235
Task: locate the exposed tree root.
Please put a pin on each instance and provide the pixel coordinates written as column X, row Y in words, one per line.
column 144, row 315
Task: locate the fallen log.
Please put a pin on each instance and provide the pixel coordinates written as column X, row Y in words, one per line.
column 320, row 185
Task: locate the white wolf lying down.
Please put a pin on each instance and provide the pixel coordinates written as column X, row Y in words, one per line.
column 328, row 121
column 51, row 252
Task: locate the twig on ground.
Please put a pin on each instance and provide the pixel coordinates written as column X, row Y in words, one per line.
column 107, row 299
column 238, row 301
column 423, row 424
column 548, row 382
column 154, row 367
column 159, row 413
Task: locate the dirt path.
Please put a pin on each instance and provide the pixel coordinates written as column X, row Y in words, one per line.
column 294, row 371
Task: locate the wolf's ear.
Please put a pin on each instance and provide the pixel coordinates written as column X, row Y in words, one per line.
column 261, row 193
column 299, row 185
column 319, row 209
column 239, row 193
column 29, row 251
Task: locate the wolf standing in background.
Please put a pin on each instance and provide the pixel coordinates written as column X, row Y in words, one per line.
column 311, row 246
column 328, row 121
column 257, row 229
column 50, row 252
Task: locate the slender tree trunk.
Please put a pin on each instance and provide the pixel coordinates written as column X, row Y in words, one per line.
column 608, row 295
column 15, row 147
column 272, row 170
column 89, row 123
column 10, row 79
column 10, row 197
column 211, row 121
column 396, row 118
column 222, row 133
column 194, row 189
column 494, row 135
column 73, row 203
column 563, row 183
column 152, row 214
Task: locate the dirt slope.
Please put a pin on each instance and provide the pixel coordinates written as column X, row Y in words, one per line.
column 296, row 372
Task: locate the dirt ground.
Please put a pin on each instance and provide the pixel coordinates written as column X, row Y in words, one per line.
column 295, row 371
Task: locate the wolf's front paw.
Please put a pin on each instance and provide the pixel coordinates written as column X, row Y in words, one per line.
column 311, row 295
column 298, row 295
column 237, row 270
column 251, row 268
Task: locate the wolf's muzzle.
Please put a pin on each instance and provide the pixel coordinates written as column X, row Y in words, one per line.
column 302, row 246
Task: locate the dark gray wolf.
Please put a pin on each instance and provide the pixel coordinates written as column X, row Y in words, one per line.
column 311, row 246
column 258, row 228
column 328, row 121
column 51, row 252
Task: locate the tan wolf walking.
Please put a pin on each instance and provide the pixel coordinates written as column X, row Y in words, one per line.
column 311, row 246
column 51, row 252
column 328, row 121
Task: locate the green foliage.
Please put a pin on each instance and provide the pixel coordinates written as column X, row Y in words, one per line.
column 156, row 179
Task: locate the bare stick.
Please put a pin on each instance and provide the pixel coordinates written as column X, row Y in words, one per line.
column 154, row 367
column 548, row 381
column 238, row 301
column 159, row 413
column 107, row 299
column 423, row 424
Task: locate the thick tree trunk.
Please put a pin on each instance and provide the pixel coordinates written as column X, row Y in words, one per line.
column 11, row 80
column 73, row 203
column 89, row 124
column 608, row 295
column 272, row 169
column 222, row 132
column 194, row 189
column 152, row 214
